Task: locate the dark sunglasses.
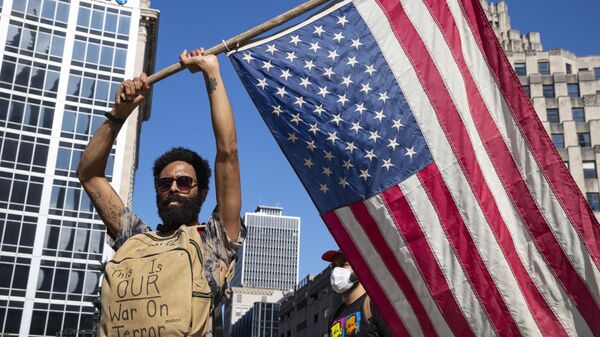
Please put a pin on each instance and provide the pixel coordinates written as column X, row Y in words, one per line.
column 184, row 183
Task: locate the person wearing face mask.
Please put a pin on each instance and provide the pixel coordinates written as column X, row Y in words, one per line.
column 356, row 316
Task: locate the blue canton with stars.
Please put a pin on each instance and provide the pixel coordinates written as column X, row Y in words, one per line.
column 334, row 107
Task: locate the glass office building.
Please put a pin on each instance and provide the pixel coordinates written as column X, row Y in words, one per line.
column 61, row 62
column 269, row 257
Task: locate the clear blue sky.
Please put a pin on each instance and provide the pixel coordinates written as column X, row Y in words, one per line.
column 180, row 111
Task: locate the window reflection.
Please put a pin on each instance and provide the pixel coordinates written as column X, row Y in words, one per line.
column 79, row 50
column 76, row 281
column 61, row 278
column 91, row 283
column 14, row 36
column 83, row 18
column 49, row 9
column 43, row 43
column 28, row 39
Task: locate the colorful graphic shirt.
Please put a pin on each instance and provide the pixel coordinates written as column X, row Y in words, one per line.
column 350, row 321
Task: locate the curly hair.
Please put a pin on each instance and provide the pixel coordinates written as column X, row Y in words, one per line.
column 199, row 164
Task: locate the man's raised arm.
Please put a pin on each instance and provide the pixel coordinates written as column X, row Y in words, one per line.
column 227, row 170
column 93, row 161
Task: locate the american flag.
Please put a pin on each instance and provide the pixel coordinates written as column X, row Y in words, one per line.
column 411, row 133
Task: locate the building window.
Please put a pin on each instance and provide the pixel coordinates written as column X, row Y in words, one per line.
column 527, row 90
column 544, row 68
column 552, row 115
column 589, row 170
column 573, row 89
column 559, row 140
column 578, row 115
column 239, row 298
column 569, row 68
column 548, row 90
column 584, row 139
column 593, row 200
column 521, row 68
column 597, row 73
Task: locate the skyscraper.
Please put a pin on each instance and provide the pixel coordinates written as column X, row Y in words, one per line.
column 270, row 253
column 565, row 91
column 61, row 63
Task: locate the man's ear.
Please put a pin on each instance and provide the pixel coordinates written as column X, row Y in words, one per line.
column 203, row 194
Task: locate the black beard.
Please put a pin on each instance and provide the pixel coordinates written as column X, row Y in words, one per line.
column 184, row 214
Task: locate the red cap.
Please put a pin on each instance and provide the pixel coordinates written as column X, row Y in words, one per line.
column 330, row 255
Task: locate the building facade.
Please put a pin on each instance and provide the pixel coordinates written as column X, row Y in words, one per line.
column 262, row 320
column 306, row 311
column 269, row 257
column 242, row 301
column 565, row 91
column 61, row 63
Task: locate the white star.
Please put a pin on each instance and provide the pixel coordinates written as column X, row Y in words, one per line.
column 314, row 46
column 281, row 91
column 285, row 74
column 271, row 48
column 337, row 119
column 342, row 99
column 370, row 69
column 329, row 155
column 370, row 155
column 323, row 188
column 397, row 124
column 356, row 43
column 328, row 72
column 292, row 137
column 308, row 163
column 333, row 137
column 410, row 152
column 342, row 20
column 319, row 109
column 267, row 65
column 296, row 118
column 347, row 164
column 383, row 97
column 262, row 83
column 295, row 40
column 392, row 144
column 387, row 164
column 379, row 115
column 291, row 56
column 277, row 110
column 366, row 88
column 327, row 171
column 365, row 174
column 356, row 126
column 360, row 108
column 352, row 61
column 319, row 30
column 338, row 37
column 311, row 145
column 248, row 57
column 333, row 55
column 314, row 129
column 374, row 135
column 350, row 147
column 309, row 64
column 299, row 101
column 343, row 182
column 347, row 81
column 323, row 91
column 305, row 82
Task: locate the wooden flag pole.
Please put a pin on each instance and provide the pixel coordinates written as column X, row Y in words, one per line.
column 236, row 41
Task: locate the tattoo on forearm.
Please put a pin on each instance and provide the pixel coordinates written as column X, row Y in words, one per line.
column 114, row 210
column 95, row 195
column 211, row 85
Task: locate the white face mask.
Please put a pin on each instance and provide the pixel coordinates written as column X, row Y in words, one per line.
column 340, row 280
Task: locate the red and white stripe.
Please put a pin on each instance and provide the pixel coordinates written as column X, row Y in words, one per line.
column 495, row 237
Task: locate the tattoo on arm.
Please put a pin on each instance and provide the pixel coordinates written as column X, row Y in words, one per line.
column 211, row 85
column 95, row 195
column 115, row 211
